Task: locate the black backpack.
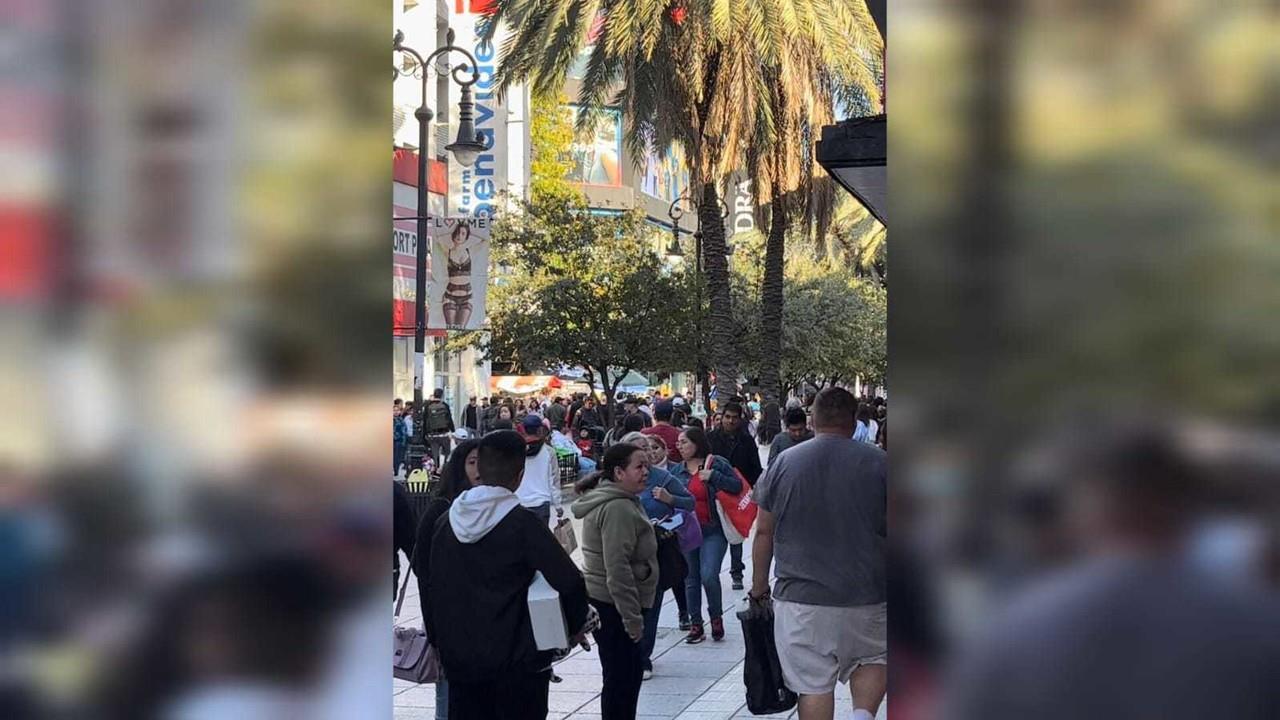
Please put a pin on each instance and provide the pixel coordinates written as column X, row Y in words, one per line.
column 437, row 417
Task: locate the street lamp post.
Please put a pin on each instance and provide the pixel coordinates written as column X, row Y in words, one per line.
column 465, row 149
column 675, row 212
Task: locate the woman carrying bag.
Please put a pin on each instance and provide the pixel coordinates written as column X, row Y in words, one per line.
column 689, row 533
column 705, row 475
column 664, row 496
column 619, row 553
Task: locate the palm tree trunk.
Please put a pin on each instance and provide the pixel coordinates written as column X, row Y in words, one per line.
column 719, row 330
column 771, row 299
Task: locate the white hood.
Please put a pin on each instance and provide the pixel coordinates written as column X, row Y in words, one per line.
column 479, row 510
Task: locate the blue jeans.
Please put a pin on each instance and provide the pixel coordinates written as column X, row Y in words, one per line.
column 650, row 637
column 442, row 699
column 704, row 572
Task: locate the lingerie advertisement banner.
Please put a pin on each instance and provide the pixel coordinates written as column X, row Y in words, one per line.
column 459, row 279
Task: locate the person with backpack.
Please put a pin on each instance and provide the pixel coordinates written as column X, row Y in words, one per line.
column 438, row 424
column 460, row 473
column 620, row 563
column 484, row 554
column 705, row 475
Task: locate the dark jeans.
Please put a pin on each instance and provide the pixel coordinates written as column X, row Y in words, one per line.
column 397, row 457
column 682, row 600
column 735, row 562
column 651, row 617
column 622, row 661
column 506, row 697
column 543, row 513
column 440, row 446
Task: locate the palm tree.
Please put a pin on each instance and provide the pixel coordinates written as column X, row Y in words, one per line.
column 856, row 238
column 696, row 73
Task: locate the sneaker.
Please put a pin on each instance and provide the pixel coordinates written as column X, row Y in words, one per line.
column 685, row 624
column 737, row 584
column 648, row 674
column 695, row 635
column 717, row 629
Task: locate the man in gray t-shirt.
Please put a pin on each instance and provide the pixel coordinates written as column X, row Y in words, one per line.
column 822, row 519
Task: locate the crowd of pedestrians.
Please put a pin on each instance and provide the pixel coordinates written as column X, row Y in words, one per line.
column 486, row 532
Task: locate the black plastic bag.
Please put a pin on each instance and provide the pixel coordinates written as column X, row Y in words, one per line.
column 767, row 693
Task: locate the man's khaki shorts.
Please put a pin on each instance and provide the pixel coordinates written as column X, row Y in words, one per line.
column 819, row 646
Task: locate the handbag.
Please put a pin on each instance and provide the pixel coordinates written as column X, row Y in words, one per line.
column 737, row 512
column 565, row 536
column 672, row 567
column 688, row 531
column 414, row 658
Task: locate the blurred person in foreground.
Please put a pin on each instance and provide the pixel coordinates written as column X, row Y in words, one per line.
column 482, row 560
column 822, row 518
column 460, row 473
column 540, row 489
column 733, row 441
column 1137, row 629
column 620, row 564
column 797, row 432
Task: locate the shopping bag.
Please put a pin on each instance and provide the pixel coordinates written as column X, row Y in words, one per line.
column 767, row 692
column 737, row 512
column 414, row 658
column 565, row 536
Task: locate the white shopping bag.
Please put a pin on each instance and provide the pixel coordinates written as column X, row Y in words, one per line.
column 550, row 632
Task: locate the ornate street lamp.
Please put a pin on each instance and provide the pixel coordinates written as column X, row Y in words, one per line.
column 676, row 212
column 465, row 149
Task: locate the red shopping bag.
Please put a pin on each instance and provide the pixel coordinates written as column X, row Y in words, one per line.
column 739, row 511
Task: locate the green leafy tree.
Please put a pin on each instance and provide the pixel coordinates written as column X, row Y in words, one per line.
column 585, row 290
column 550, row 136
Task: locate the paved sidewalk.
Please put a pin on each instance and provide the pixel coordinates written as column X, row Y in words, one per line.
column 690, row 682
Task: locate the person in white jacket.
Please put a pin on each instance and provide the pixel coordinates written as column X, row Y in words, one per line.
column 540, row 488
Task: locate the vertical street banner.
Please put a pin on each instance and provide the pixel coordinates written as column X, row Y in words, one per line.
column 474, row 191
column 458, row 284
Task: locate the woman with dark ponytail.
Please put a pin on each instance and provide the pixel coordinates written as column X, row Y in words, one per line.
column 620, row 564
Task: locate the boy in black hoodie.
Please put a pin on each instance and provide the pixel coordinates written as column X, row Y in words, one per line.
column 483, row 557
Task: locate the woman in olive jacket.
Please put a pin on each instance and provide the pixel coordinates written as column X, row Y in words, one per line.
column 620, row 564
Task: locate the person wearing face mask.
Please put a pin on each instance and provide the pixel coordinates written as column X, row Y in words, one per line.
column 620, row 565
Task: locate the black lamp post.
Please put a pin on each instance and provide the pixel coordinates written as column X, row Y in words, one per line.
column 675, row 212
column 466, row 148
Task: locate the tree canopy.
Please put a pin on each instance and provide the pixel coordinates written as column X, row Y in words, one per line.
column 572, row 287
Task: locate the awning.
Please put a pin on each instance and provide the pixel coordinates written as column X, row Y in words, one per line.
column 523, row 384
column 634, row 383
column 854, row 153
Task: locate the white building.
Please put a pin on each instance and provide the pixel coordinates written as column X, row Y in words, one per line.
column 453, row 190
